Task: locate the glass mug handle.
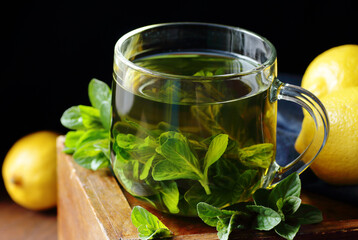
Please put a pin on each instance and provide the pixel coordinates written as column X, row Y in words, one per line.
column 304, row 98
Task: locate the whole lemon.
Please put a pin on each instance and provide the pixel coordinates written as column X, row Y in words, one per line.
column 338, row 161
column 29, row 171
column 334, row 69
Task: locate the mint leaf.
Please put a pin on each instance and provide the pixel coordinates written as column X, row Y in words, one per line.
column 128, row 141
column 147, row 166
column 148, row 225
column 279, row 209
column 105, row 115
column 90, row 148
column 72, row 119
column 100, row 97
column 91, row 135
column 171, row 135
column 81, row 118
column 204, row 73
column 210, row 214
column 92, row 154
column 290, row 186
column 165, row 170
column 178, row 152
column 290, row 205
column 179, row 162
column 225, row 226
column 247, row 180
column 227, row 187
column 224, row 220
column 266, row 218
column 287, row 231
column 170, row 195
column 259, row 155
column 98, row 93
column 216, row 149
column 72, row 137
column 90, row 117
column 307, row 214
column 89, row 143
column 207, row 115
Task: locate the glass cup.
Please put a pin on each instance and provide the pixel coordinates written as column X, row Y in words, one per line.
column 194, row 111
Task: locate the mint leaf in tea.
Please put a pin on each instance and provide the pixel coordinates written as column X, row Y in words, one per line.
column 180, row 136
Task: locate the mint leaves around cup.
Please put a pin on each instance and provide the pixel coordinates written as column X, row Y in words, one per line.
column 89, row 137
column 279, row 209
column 148, row 225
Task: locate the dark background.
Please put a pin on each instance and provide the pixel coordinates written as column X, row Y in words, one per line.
column 50, row 51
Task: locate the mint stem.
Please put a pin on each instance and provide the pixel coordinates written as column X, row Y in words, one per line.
column 205, row 184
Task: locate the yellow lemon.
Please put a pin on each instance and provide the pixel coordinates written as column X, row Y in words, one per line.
column 29, row 171
column 338, row 161
column 334, row 69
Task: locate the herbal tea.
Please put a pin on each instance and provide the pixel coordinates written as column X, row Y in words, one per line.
column 178, row 142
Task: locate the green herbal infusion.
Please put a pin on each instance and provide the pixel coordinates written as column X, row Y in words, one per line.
column 178, row 142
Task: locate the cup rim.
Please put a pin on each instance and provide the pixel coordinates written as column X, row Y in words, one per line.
column 270, row 60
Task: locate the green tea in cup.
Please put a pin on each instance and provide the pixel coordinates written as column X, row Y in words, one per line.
column 194, row 111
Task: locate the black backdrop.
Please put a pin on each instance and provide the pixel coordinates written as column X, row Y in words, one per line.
column 50, row 51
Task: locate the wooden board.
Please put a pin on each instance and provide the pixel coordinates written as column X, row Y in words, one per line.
column 92, row 205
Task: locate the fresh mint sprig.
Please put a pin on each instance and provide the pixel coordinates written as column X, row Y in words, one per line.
column 89, row 137
column 159, row 157
column 279, row 209
column 148, row 225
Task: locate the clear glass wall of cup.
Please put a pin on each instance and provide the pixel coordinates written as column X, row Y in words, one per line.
column 194, row 115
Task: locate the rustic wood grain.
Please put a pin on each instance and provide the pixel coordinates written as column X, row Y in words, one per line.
column 91, row 205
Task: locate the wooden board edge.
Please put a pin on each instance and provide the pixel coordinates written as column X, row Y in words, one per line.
column 110, row 219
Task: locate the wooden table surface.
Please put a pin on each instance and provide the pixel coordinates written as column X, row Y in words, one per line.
column 18, row 223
